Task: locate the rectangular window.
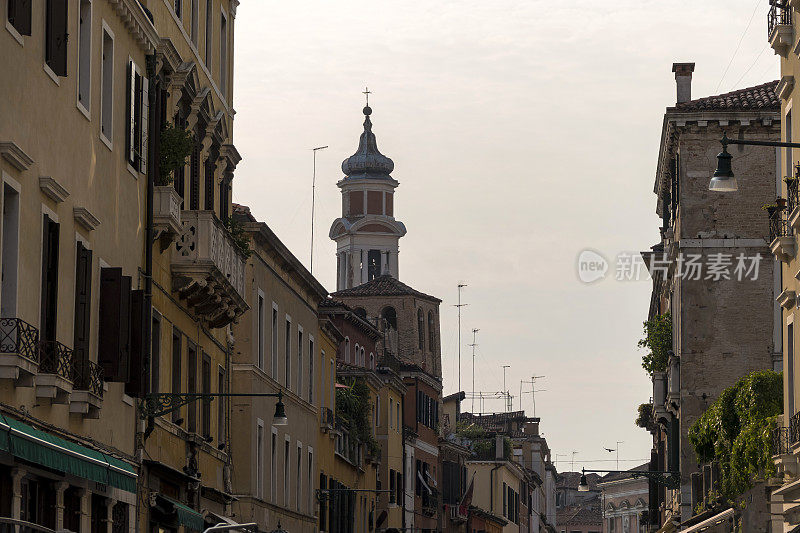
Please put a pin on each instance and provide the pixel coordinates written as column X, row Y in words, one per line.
column 195, row 17
column 10, row 252
column 137, row 112
column 209, row 32
column 505, row 502
column 399, row 422
column 286, row 465
column 309, row 474
column 19, row 15
column 274, row 352
column 399, row 483
column 49, row 305
column 323, row 502
column 333, row 386
column 391, row 485
column 107, row 94
column 273, row 473
column 299, row 361
column 260, row 460
column 114, row 337
column 299, row 495
column 787, row 171
column 260, row 329
column 191, row 386
column 194, row 177
column 210, row 168
column 155, row 333
column 288, row 348
column 206, row 404
column 83, row 303
column 177, row 346
column 221, row 405
column 311, row 370
column 223, row 55
column 55, row 36
column 85, row 54
column 176, row 6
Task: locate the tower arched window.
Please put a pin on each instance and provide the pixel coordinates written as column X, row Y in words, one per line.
column 357, row 354
column 372, row 361
column 421, row 328
column 389, row 316
column 431, row 332
column 363, row 357
column 347, row 350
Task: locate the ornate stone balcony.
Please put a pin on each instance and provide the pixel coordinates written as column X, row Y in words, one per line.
column 167, row 210
column 19, row 351
column 87, row 396
column 208, row 269
column 779, row 28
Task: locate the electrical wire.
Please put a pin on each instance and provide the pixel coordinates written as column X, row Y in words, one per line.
column 735, row 85
column 752, row 16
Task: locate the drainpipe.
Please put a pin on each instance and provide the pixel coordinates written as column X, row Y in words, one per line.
column 403, row 434
column 491, row 488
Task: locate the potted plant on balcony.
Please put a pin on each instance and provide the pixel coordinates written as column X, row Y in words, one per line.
column 781, row 203
column 238, row 236
column 175, row 146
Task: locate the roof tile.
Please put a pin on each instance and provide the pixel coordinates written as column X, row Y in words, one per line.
column 760, row 97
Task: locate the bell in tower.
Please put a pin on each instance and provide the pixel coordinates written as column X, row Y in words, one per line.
column 367, row 233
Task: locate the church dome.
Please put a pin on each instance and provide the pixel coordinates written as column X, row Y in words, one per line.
column 367, row 162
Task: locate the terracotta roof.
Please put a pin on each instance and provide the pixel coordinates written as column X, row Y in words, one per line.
column 384, row 285
column 623, row 475
column 588, row 513
column 571, row 480
column 760, row 97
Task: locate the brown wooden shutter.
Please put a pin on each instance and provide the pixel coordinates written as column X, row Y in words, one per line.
column 83, row 309
column 49, row 308
column 115, row 324
column 135, row 385
column 129, row 127
column 56, row 36
column 194, row 178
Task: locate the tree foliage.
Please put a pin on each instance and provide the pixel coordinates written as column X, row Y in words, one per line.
column 735, row 431
column 239, row 236
column 645, row 418
column 352, row 404
column 658, row 340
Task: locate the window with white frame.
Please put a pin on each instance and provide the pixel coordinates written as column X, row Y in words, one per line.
column 137, row 114
column 299, row 495
column 107, row 89
column 346, row 349
column 333, row 385
column 299, row 360
column 209, row 33
column 195, row 16
column 176, row 6
column 274, row 351
column 223, row 54
column 85, row 54
column 311, row 369
column 286, row 468
column 260, row 330
column 273, row 473
column 288, row 348
column 260, row 460
column 10, row 250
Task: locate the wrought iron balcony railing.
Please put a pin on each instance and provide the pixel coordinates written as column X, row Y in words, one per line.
column 88, row 376
column 19, row 338
column 778, row 226
column 779, row 14
column 56, row 359
column 781, row 443
column 792, row 190
column 794, row 428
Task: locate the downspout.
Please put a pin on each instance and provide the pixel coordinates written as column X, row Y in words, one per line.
column 405, row 481
column 153, row 145
column 491, row 488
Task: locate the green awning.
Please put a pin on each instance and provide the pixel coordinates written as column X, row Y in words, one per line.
column 40, row 447
column 186, row 515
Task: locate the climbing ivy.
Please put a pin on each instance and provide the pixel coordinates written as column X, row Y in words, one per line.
column 658, row 340
column 239, row 236
column 352, row 404
column 735, row 432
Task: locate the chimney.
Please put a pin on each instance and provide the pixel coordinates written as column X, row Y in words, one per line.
column 499, row 447
column 683, row 79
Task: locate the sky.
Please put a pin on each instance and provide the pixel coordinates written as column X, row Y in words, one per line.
column 523, row 132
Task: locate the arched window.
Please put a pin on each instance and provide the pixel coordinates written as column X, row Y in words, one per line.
column 347, row 349
column 363, row 357
column 431, row 332
column 372, row 361
column 357, row 354
column 421, row 328
column 361, row 312
column 389, row 316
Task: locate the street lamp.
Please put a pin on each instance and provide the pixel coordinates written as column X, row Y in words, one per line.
column 723, row 180
column 671, row 480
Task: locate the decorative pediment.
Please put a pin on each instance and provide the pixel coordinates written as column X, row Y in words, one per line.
column 85, row 218
column 138, row 22
column 54, row 190
column 15, row 155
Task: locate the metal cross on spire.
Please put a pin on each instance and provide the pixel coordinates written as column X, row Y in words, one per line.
column 366, row 92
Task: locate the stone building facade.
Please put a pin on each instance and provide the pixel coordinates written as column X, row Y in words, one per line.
column 723, row 325
column 624, row 500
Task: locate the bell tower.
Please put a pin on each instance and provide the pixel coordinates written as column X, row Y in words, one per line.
column 367, row 234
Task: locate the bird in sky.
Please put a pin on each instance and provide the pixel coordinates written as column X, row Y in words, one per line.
column 609, row 450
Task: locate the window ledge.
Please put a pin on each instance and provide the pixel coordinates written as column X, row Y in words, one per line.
column 51, row 74
column 83, row 110
column 132, row 170
column 14, row 33
column 106, row 141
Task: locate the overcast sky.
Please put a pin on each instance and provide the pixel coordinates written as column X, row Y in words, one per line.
column 522, row 133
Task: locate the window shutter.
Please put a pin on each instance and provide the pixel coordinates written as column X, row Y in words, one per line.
column 83, row 293
column 56, row 36
column 129, row 113
column 136, row 79
column 115, row 317
column 19, row 15
column 209, row 178
column 49, row 280
column 194, row 178
column 145, row 115
column 135, row 385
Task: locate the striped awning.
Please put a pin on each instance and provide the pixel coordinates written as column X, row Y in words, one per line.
column 43, row 448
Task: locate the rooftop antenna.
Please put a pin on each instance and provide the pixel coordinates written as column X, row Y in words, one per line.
column 505, row 390
column 572, row 466
column 474, row 331
column 313, row 201
column 459, row 305
column 532, row 391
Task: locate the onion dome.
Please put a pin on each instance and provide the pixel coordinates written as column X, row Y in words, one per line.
column 367, row 162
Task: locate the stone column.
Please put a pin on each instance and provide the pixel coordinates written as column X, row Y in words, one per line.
column 109, row 519
column 61, row 487
column 384, row 262
column 393, row 267
column 131, row 518
column 86, row 510
column 16, row 492
column 363, row 266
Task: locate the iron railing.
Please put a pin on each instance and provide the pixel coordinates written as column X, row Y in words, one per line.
column 781, row 443
column 792, row 190
column 778, row 226
column 56, row 359
column 794, row 428
column 88, row 376
column 326, row 417
column 779, row 14
column 20, row 338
